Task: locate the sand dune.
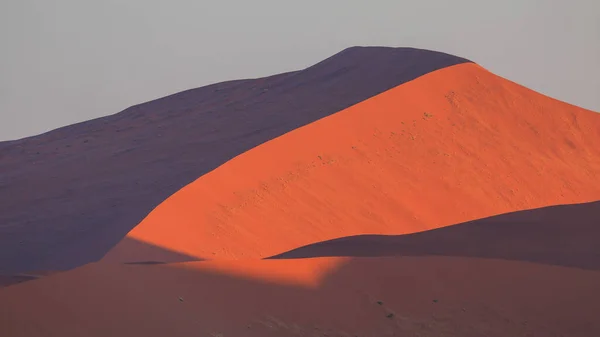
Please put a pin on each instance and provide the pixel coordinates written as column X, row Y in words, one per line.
column 399, row 296
column 565, row 235
column 454, row 145
column 81, row 188
column 350, row 175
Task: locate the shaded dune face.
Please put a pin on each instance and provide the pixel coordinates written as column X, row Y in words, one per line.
column 81, row 188
column 452, row 146
column 565, row 235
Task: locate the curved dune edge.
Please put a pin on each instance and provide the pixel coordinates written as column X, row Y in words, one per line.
column 454, row 145
column 430, row 296
column 563, row 235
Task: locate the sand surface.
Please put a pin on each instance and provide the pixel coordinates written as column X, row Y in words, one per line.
column 398, row 296
column 455, row 145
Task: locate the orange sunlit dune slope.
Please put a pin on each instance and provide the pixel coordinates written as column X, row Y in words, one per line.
column 454, row 145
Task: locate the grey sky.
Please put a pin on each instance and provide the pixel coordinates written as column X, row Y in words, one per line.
column 66, row 61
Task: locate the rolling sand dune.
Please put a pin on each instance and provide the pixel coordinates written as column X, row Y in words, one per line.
column 398, row 296
column 454, row 145
column 350, row 206
column 81, row 188
column 566, row 235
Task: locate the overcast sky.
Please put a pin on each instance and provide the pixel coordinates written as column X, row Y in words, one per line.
column 65, row 61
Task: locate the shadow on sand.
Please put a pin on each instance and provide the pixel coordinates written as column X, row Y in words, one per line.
column 563, row 235
column 387, row 296
column 149, row 255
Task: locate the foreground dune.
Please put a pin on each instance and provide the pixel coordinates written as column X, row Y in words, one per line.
column 396, row 296
column 454, row 145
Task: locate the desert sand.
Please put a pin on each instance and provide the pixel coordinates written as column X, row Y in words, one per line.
column 453, row 203
column 452, row 146
column 397, row 296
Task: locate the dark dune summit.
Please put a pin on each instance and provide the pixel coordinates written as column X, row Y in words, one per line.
column 81, row 188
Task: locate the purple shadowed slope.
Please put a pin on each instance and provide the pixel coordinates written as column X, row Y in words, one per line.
column 69, row 195
column 564, row 235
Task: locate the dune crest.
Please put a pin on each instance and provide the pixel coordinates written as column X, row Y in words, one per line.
column 451, row 146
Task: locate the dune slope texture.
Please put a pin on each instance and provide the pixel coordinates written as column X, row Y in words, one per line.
column 452, row 146
column 81, row 188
